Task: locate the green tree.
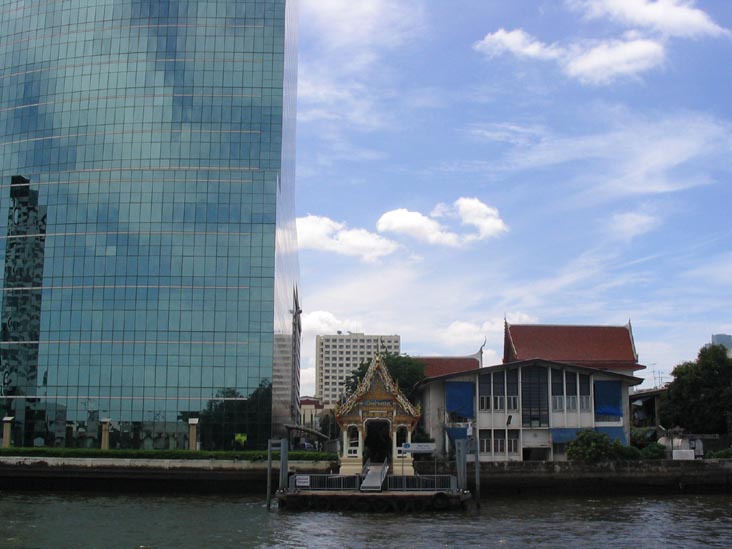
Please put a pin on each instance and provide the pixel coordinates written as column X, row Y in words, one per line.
column 404, row 369
column 329, row 425
column 699, row 399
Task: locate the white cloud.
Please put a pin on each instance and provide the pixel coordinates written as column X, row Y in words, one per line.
column 600, row 62
column 339, row 80
column 628, row 225
column 321, row 233
column 508, row 132
column 463, row 334
column 591, row 62
column 481, row 216
column 668, row 17
column 519, row 43
column 416, row 225
column 608, row 60
column 363, row 25
column 636, row 156
column 469, row 211
column 325, row 322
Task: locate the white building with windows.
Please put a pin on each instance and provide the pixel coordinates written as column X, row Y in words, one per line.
column 338, row 355
column 555, row 380
column 527, row 410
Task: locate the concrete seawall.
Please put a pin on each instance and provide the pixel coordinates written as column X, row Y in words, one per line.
column 616, row 477
column 249, row 477
column 144, row 475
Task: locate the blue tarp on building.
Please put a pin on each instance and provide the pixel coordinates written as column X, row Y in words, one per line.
column 615, row 433
column 564, row 435
column 459, row 397
column 608, row 398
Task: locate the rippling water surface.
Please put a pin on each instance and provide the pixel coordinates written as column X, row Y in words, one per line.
column 32, row 520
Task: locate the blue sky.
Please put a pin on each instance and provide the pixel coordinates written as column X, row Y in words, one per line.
column 559, row 162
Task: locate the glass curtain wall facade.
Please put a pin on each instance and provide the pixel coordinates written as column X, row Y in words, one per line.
column 147, row 230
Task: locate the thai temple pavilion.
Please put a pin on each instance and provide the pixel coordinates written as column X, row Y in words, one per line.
column 375, row 421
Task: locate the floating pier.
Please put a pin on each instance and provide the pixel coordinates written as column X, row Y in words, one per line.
column 362, row 493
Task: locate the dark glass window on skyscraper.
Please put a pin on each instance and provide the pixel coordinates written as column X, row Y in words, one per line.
column 147, row 235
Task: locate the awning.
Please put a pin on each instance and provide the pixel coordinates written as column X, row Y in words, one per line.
column 615, row 433
column 563, row 435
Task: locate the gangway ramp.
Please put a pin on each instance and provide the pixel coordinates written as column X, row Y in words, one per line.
column 374, row 479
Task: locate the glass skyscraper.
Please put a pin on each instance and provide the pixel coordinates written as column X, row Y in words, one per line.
column 147, row 230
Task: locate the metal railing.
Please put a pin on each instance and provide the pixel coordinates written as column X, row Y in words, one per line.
column 336, row 483
column 384, row 471
column 421, row 483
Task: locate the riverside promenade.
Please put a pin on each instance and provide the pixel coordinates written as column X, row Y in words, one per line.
column 249, row 477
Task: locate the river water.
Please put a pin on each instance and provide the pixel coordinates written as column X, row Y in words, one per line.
column 61, row 520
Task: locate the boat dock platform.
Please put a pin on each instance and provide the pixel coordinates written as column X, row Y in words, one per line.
column 373, row 491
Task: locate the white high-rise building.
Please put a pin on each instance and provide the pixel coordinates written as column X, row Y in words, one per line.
column 338, row 355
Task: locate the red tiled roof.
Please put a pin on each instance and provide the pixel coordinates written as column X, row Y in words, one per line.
column 606, row 347
column 443, row 365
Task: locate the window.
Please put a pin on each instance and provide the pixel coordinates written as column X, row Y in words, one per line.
column 485, row 441
column 534, row 397
column 513, row 441
column 584, row 391
column 512, row 389
column 484, row 391
column 499, row 442
column 498, row 403
column 557, row 403
column 557, row 382
column 571, row 402
column 499, row 389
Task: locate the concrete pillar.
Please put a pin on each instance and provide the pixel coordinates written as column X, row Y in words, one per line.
column 192, row 433
column 7, row 431
column 105, row 433
column 360, row 443
column 394, row 443
column 409, row 436
column 344, row 434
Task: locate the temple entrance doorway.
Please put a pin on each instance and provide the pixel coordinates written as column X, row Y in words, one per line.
column 378, row 443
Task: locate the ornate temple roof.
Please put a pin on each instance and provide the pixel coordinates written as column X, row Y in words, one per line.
column 377, row 374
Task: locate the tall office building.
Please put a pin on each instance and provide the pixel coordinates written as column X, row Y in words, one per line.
column 725, row 340
column 338, row 355
column 147, row 228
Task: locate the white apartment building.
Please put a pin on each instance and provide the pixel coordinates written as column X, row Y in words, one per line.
column 338, row 355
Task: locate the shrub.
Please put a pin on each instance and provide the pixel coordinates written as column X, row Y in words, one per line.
column 246, row 455
column 640, row 437
column 653, row 451
column 625, row 452
column 722, row 454
column 590, row 447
